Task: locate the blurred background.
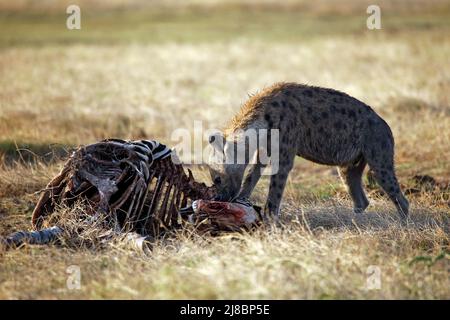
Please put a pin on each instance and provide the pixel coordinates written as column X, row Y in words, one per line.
column 140, row 69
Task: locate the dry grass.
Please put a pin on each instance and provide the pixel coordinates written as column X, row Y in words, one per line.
column 321, row 254
column 70, row 89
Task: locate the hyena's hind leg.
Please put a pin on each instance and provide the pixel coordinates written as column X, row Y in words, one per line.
column 352, row 177
column 382, row 166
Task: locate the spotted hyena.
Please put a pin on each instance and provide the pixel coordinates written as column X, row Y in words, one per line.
column 322, row 125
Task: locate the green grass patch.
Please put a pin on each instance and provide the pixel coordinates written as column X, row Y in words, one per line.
column 323, row 191
column 112, row 27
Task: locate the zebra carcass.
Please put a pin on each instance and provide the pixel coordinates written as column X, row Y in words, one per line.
column 135, row 185
column 134, row 188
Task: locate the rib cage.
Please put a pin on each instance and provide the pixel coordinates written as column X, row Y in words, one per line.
column 135, row 183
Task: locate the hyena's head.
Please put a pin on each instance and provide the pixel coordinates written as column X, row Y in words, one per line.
column 225, row 169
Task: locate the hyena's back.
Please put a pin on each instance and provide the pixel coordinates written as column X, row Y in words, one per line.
column 322, row 125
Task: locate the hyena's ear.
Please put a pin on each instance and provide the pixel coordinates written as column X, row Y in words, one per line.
column 217, row 141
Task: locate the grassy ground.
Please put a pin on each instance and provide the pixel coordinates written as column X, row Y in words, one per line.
column 147, row 70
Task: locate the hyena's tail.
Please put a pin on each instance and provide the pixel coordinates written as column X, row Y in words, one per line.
column 44, row 236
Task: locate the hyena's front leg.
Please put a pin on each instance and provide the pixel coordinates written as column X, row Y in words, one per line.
column 276, row 189
column 251, row 180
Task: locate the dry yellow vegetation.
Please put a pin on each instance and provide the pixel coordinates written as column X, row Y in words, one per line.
column 150, row 69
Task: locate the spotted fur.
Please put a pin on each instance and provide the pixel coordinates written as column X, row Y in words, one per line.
column 322, row 125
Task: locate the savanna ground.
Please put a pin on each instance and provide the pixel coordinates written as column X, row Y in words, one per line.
column 143, row 70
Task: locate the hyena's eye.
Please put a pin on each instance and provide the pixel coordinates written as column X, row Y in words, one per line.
column 217, row 180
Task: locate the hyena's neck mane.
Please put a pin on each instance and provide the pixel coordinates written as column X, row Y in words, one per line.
column 252, row 111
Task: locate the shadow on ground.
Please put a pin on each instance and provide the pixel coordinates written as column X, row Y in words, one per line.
column 343, row 218
column 23, row 152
